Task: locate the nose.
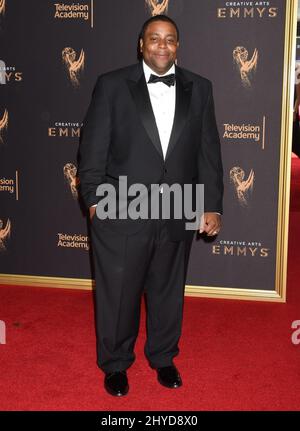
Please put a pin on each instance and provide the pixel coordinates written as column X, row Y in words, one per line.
column 162, row 43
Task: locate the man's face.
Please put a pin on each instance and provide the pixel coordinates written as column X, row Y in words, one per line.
column 159, row 46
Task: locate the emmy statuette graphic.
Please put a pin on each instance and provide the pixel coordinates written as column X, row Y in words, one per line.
column 246, row 67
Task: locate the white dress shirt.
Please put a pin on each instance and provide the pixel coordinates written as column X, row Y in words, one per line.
column 163, row 99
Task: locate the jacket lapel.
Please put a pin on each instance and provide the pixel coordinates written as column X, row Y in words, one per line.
column 183, row 98
column 139, row 91
column 140, row 94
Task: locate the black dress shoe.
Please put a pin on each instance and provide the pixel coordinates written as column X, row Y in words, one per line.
column 116, row 383
column 169, row 377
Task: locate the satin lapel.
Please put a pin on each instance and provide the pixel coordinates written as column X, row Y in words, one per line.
column 140, row 94
column 183, row 98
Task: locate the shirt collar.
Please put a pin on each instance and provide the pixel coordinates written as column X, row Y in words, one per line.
column 148, row 71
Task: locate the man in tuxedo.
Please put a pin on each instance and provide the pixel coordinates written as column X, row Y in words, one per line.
column 151, row 123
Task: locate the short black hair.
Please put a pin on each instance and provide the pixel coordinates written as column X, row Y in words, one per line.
column 155, row 18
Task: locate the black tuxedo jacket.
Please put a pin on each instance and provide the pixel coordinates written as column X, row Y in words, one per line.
column 120, row 137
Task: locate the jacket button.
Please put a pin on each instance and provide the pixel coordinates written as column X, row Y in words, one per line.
column 166, row 171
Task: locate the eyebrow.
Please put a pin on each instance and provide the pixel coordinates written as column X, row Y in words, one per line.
column 157, row 34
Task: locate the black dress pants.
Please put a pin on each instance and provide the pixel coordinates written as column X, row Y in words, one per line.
column 126, row 266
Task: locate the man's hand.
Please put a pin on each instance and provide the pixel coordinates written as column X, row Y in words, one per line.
column 210, row 223
column 92, row 212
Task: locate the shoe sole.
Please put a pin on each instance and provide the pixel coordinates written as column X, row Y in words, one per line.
column 117, row 394
column 167, row 386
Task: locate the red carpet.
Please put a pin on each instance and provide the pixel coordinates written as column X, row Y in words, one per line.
column 295, row 188
column 235, row 355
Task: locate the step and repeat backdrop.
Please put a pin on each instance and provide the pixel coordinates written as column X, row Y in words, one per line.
column 51, row 53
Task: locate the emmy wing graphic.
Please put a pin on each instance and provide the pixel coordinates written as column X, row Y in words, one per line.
column 3, row 124
column 158, row 7
column 2, row 7
column 4, row 233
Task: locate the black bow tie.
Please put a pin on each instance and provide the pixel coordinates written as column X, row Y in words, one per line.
column 167, row 79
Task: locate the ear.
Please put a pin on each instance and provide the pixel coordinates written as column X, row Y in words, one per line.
column 141, row 45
